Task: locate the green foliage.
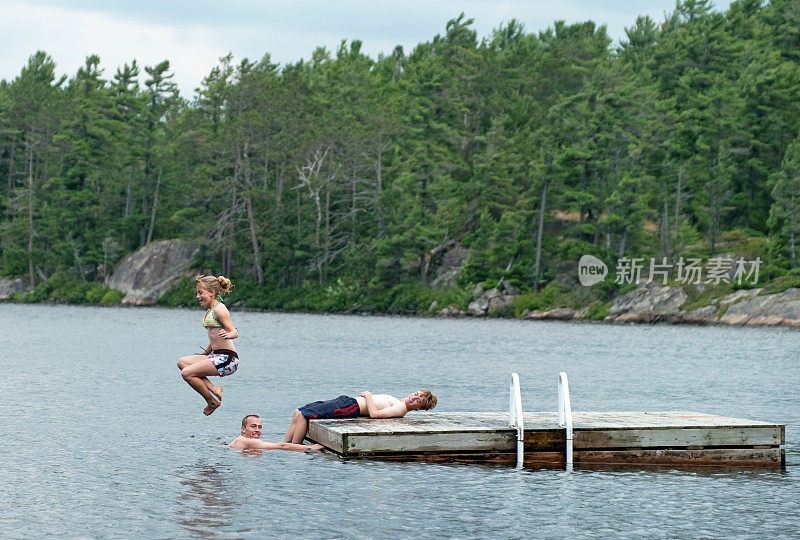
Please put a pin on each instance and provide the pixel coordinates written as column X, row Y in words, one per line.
column 183, row 294
column 702, row 297
column 111, row 297
column 747, row 244
column 402, row 299
column 344, row 182
column 61, row 287
column 781, row 284
column 554, row 295
column 96, row 293
column 333, row 297
column 597, row 311
column 455, row 297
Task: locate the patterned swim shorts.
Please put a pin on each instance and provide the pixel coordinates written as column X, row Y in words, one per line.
column 225, row 360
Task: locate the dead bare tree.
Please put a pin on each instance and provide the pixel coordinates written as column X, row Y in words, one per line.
column 242, row 158
column 309, row 176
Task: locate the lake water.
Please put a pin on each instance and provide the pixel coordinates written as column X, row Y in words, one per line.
column 102, row 438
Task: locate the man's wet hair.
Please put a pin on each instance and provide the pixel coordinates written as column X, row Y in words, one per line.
column 244, row 420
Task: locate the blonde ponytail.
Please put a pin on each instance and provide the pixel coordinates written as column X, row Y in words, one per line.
column 218, row 285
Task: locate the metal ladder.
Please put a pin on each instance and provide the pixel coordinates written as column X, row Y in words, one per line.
column 515, row 416
column 565, row 413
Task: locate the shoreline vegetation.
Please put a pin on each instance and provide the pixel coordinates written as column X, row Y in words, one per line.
column 466, row 177
column 775, row 304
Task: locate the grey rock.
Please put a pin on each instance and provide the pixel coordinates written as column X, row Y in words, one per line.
column 445, row 280
column 647, row 304
column 744, row 307
column 703, row 315
column 781, row 309
column 150, row 272
column 499, row 302
column 556, row 314
column 450, row 311
column 736, row 296
column 488, row 301
column 707, row 311
column 11, row 286
column 492, row 293
column 508, row 288
column 566, row 273
column 447, row 273
column 477, row 292
column 561, row 314
column 478, row 307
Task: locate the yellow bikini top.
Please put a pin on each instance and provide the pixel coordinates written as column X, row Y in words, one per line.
column 209, row 321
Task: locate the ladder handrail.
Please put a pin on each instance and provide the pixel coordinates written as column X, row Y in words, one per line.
column 515, row 415
column 565, row 412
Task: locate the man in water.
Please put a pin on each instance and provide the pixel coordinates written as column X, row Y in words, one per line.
column 374, row 406
column 251, row 431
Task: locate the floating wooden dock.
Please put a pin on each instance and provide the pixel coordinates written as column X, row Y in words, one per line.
column 646, row 438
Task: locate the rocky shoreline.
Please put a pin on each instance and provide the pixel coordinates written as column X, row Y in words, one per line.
column 652, row 304
column 145, row 275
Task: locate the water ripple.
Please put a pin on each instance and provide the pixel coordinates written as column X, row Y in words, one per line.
column 109, row 442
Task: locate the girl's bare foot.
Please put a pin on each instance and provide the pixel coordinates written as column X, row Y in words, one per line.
column 211, row 407
column 216, row 391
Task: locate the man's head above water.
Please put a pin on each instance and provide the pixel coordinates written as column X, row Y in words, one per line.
column 251, row 426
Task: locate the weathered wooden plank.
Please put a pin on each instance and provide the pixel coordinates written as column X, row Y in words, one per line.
column 411, row 424
column 653, row 420
column 539, row 420
column 428, row 442
column 771, row 457
column 489, row 458
column 677, row 437
column 328, row 438
column 553, row 440
column 532, row 460
column 730, row 457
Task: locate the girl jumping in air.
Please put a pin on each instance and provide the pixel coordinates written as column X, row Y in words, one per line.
column 219, row 357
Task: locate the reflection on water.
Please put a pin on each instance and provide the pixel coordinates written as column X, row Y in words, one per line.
column 706, row 471
column 206, row 502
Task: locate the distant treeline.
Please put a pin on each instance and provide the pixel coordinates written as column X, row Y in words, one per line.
column 342, row 178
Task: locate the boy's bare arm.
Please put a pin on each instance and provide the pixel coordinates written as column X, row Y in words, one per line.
column 398, row 410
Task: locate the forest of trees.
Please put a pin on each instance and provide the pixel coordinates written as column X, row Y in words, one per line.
column 343, row 179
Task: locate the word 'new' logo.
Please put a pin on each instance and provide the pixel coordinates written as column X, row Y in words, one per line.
column 591, row 270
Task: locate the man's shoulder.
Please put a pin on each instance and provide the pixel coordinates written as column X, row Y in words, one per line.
column 239, row 442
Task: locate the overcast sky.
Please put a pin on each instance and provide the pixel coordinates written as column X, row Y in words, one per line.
column 192, row 35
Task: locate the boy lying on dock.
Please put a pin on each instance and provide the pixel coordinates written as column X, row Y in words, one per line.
column 368, row 404
column 249, row 439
